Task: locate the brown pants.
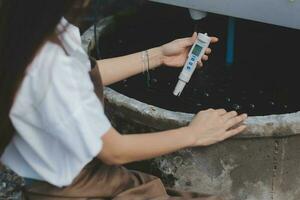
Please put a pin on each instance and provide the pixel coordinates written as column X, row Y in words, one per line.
column 98, row 181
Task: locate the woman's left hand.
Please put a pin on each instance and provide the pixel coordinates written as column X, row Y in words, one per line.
column 176, row 52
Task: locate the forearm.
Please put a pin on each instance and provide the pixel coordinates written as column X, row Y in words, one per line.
column 146, row 146
column 121, row 149
column 119, row 68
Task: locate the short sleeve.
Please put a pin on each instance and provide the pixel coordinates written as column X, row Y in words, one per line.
column 72, row 114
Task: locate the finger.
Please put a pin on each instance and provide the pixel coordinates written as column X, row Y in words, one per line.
column 229, row 115
column 199, row 64
column 208, row 51
column 235, row 120
column 221, row 111
column 214, row 39
column 185, row 42
column 235, row 131
column 205, row 57
column 189, row 41
column 194, row 37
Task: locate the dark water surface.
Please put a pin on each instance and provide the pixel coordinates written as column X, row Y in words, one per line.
column 263, row 80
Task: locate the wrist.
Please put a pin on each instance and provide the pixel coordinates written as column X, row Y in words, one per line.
column 155, row 57
column 190, row 138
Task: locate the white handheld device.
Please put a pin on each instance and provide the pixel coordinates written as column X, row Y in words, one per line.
column 195, row 54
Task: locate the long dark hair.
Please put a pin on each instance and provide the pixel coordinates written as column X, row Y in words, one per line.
column 24, row 26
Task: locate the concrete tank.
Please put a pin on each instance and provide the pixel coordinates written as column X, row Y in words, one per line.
column 259, row 164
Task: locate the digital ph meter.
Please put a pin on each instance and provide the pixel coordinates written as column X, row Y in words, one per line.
column 195, row 54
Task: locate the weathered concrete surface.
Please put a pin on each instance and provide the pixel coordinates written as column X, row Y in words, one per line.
column 252, row 166
column 259, row 164
column 10, row 185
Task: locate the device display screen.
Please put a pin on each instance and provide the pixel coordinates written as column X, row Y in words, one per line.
column 197, row 49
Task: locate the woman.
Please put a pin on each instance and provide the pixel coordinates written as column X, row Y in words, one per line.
column 53, row 124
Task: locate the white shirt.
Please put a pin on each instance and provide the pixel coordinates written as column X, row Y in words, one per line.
column 58, row 117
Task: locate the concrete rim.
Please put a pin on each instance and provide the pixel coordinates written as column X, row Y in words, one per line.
column 281, row 125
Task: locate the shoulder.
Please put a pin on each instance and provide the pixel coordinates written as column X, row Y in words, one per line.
column 51, row 69
column 49, row 63
column 49, row 56
column 52, row 63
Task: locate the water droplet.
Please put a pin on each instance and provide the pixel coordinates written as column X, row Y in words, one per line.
column 206, row 94
column 285, row 106
column 125, row 85
column 271, row 103
column 252, row 106
column 227, row 99
column 154, row 80
column 195, row 90
column 169, row 83
column 125, row 80
column 199, row 104
column 236, row 107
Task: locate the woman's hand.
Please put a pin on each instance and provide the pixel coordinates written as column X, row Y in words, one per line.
column 176, row 52
column 212, row 126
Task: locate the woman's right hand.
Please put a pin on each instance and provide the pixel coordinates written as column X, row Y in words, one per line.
column 212, row 126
